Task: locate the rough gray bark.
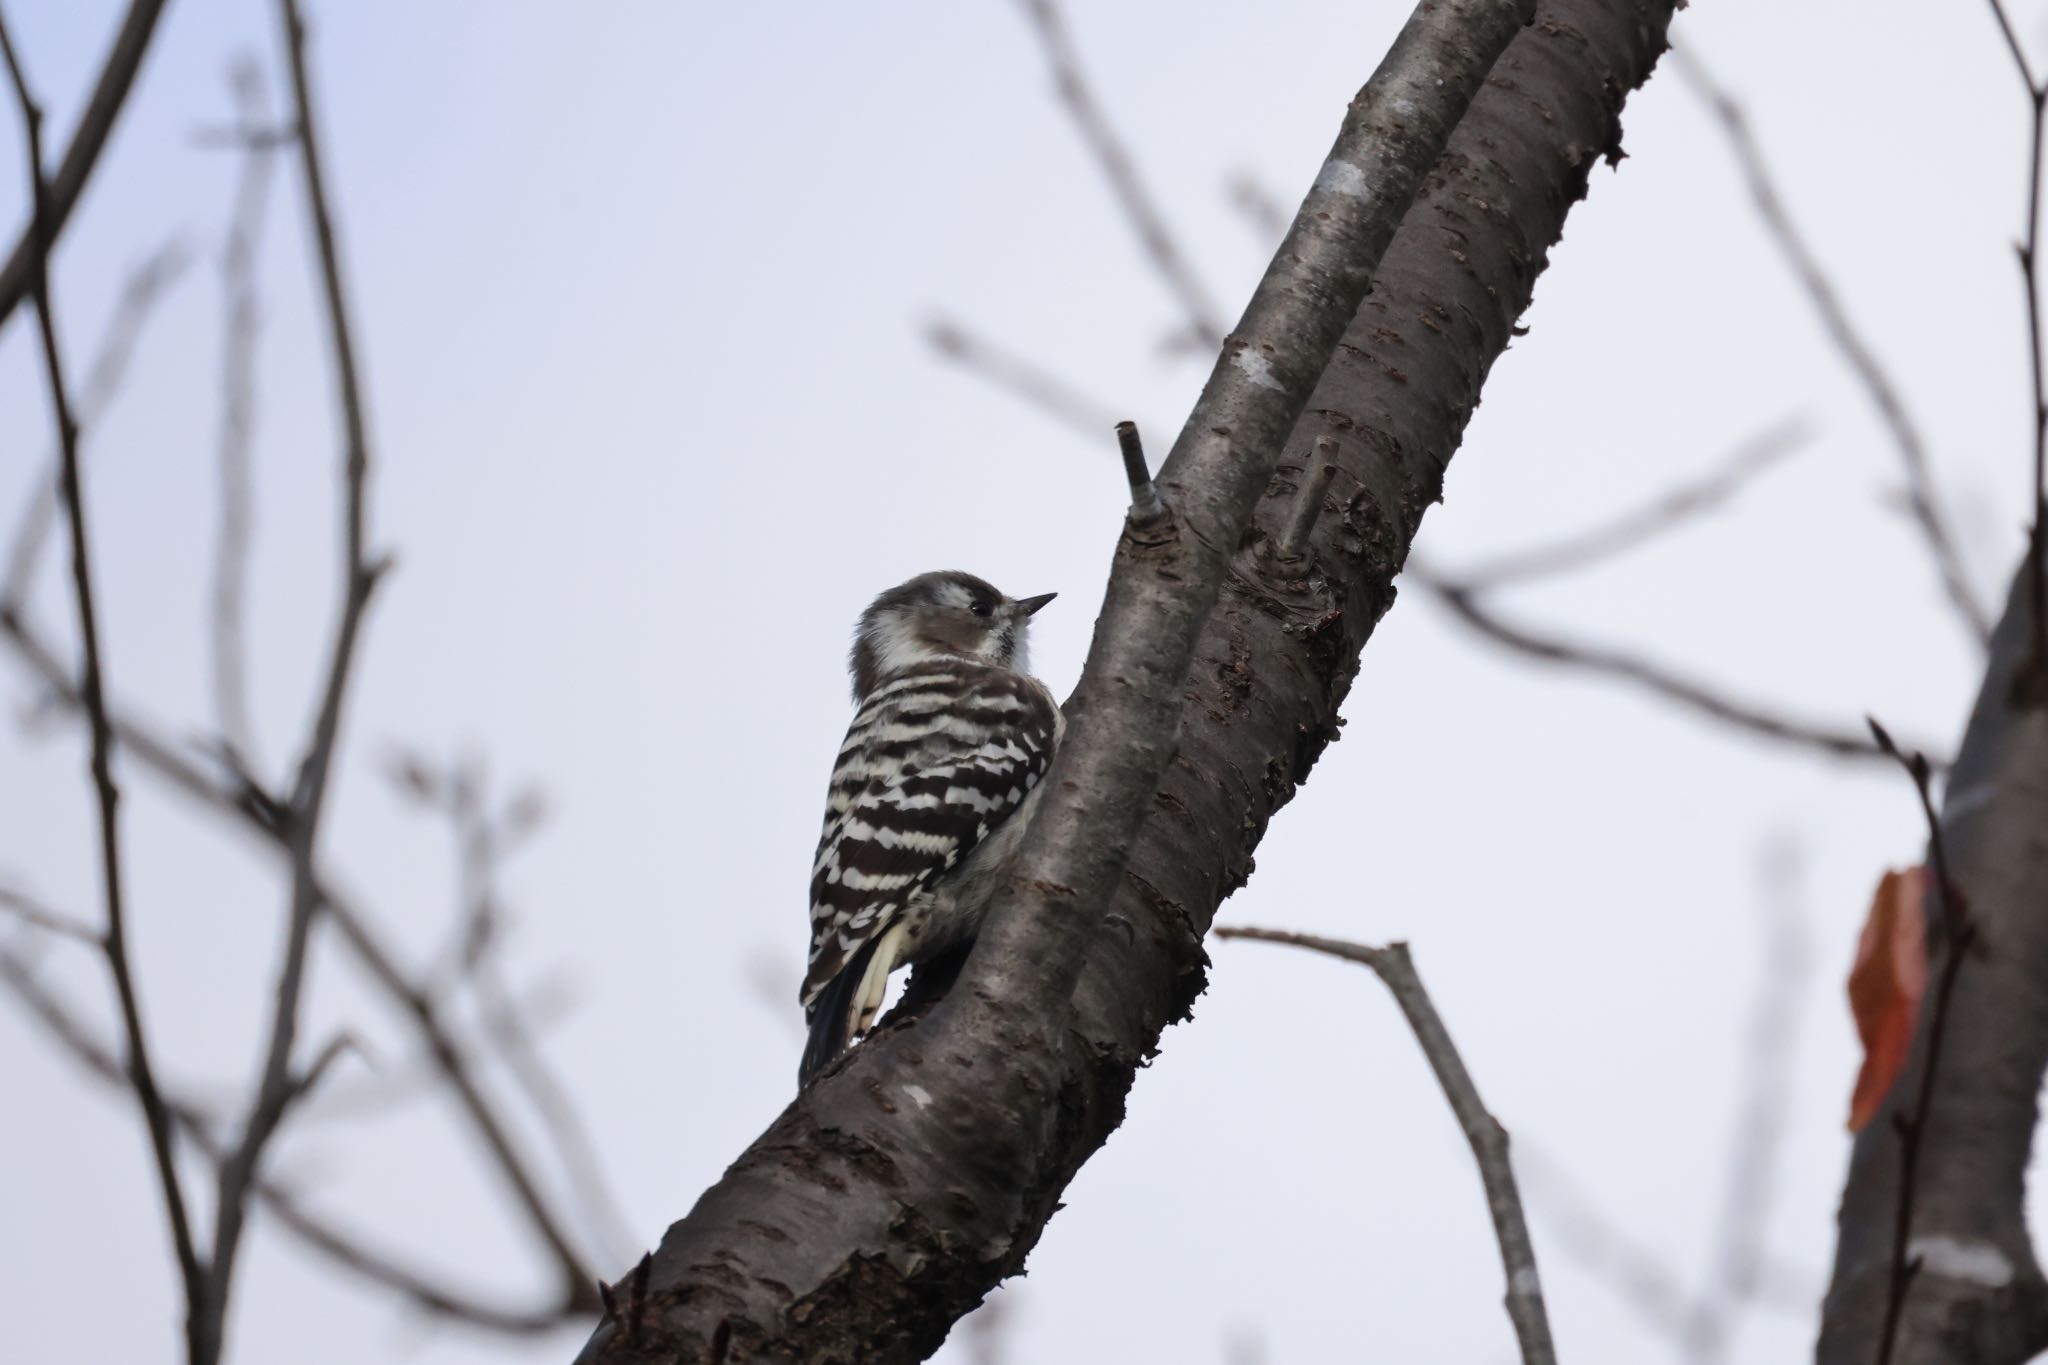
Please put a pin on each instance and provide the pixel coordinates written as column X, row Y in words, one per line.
column 890, row 1197
column 1979, row 1296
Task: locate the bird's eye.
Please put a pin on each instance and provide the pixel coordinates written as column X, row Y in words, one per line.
column 980, row 608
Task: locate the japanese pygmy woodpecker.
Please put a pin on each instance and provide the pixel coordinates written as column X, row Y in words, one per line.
column 932, row 788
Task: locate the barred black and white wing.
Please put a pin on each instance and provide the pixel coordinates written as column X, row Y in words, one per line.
column 937, row 758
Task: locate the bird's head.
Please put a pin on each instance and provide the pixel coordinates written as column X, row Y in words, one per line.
column 940, row 616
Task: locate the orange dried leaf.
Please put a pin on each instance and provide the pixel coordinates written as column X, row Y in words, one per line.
column 1886, row 986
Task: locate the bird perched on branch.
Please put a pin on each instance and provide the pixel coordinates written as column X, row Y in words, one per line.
column 932, row 788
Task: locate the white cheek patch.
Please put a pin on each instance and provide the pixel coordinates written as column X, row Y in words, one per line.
column 897, row 648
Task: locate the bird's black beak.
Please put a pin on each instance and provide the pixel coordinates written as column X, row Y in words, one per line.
column 1028, row 606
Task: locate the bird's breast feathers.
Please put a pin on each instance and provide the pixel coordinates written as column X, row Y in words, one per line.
column 937, row 757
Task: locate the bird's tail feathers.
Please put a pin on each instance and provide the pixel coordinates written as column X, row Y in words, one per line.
column 846, row 1008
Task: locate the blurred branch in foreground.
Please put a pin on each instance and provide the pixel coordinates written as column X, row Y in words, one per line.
column 218, row 777
column 240, row 331
column 2029, row 248
column 102, row 110
column 1922, row 497
column 146, row 286
column 67, row 1027
column 138, row 1066
column 1606, row 660
column 1739, row 1271
column 1634, row 527
column 1205, row 326
column 484, row 837
column 1029, row 384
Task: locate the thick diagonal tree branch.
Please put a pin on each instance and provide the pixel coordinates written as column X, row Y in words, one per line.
column 890, row 1196
column 1978, row 1296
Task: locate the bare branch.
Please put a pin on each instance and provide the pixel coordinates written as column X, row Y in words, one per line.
column 1260, row 207
column 1878, row 385
column 339, row 1046
column 1961, row 933
column 1634, row 1272
column 1632, row 528
column 146, row 285
column 276, row 1087
column 1574, row 1222
column 32, row 912
column 1738, row 1272
column 265, row 816
column 1489, row 1141
column 193, row 1274
column 1467, row 606
column 1022, row 380
column 237, row 418
column 344, row 1249
column 480, row 839
column 1147, row 220
column 2030, row 274
column 102, row 110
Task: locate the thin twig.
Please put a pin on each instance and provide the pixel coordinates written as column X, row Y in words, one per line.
column 1034, row 387
column 237, row 418
column 345, row 1249
column 480, row 841
column 1574, row 1222
column 278, row 1085
column 32, row 912
column 62, row 191
column 2029, row 254
column 1205, row 329
column 1656, row 678
column 193, row 1273
column 1636, row 1273
column 1878, row 385
column 415, row 1000
column 1260, row 207
column 1960, row 933
column 1488, row 1139
column 145, row 287
column 540, row 1006
column 1760, row 1119
column 1669, row 509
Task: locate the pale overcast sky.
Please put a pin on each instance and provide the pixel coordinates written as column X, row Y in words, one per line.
column 640, row 288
